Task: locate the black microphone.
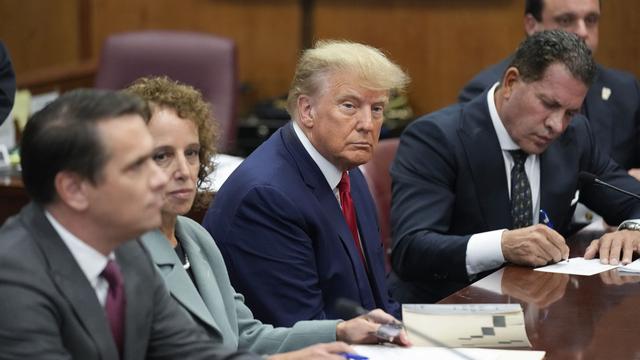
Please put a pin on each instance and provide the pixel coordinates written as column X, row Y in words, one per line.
column 589, row 178
column 349, row 309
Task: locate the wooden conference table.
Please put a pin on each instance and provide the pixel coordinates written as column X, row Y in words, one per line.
column 568, row 316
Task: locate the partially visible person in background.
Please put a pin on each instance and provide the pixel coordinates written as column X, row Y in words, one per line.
column 7, row 83
column 184, row 139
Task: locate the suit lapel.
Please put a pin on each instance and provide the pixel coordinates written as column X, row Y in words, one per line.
column 369, row 234
column 71, row 281
column 481, row 147
column 316, row 181
column 594, row 105
column 176, row 278
column 557, row 174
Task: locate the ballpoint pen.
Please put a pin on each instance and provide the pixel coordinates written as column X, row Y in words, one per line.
column 350, row 356
column 544, row 218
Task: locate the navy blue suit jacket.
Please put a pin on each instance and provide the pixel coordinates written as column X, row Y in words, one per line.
column 615, row 121
column 449, row 182
column 7, row 83
column 285, row 241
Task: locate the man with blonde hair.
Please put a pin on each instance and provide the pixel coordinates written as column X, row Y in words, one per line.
column 297, row 214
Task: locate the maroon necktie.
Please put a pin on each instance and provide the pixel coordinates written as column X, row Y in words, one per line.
column 115, row 303
column 349, row 212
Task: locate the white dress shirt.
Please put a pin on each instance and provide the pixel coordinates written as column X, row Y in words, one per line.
column 484, row 250
column 331, row 173
column 91, row 262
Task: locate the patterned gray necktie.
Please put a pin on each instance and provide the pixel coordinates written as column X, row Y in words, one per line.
column 521, row 211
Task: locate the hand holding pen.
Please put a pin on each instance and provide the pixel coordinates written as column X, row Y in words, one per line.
column 546, row 220
column 534, row 245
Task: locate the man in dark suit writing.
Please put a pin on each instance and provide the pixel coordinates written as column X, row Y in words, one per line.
column 72, row 284
column 465, row 174
column 297, row 214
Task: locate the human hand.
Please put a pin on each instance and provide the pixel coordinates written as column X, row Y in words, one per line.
column 534, row 245
column 635, row 173
column 362, row 329
column 539, row 288
column 610, row 246
column 614, row 277
column 328, row 351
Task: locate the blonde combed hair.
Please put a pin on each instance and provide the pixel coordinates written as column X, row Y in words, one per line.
column 370, row 65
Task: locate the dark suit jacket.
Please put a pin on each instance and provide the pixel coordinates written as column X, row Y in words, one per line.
column 284, row 239
column 449, row 182
column 615, row 121
column 49, row 309
column 7, row 83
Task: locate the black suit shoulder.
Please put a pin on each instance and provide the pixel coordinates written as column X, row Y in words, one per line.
column 483, row 80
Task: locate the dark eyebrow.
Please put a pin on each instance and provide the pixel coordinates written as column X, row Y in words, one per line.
column 571, row 16
column 550, row 102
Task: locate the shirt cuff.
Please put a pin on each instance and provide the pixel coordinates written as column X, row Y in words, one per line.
column 484, row 251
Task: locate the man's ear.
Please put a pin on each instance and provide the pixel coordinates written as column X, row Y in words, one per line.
column 531, row 25
column 509, row 79
column 72, row 190
column 306, row 112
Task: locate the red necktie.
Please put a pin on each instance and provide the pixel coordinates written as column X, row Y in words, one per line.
column 115, row 304
column 349, row 212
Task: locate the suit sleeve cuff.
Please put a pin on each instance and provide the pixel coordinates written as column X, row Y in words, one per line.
column 484, row 252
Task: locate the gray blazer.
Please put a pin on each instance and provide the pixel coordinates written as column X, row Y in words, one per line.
column 215, row 304
column 50, row 310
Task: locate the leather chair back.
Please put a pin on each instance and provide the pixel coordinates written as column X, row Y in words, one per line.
column 204, row 61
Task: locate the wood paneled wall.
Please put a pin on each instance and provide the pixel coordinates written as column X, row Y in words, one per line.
column 441, row 43
column 40, row 33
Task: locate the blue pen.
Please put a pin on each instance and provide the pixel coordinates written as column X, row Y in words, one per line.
column 544, row 218
column 350, row 356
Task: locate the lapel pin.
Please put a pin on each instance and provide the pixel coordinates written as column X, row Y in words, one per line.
column 606, row 92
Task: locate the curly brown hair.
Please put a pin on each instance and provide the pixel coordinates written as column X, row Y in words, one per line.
column 162, row 92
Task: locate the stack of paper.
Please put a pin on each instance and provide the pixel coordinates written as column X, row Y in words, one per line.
column 466, row 325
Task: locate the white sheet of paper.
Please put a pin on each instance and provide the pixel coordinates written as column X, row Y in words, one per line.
column 634, row 267
column 382, row 352
column 577, row 266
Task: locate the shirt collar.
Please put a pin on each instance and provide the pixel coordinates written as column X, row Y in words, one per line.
column 506, row 142
column 331, row 173
column 91, row 261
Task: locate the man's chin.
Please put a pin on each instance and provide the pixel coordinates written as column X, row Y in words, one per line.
column 152, row 224
column 535, row 149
